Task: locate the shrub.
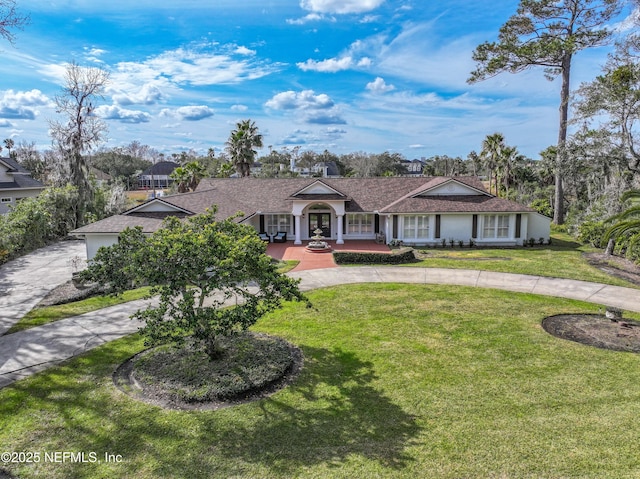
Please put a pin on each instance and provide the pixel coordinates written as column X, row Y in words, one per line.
column 404, row 255
column 591, row 232
column 34, row 222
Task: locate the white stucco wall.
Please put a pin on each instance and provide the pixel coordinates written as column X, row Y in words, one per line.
column 95, row 241
column 458, row 227
column 15, row 195
column 539, row 226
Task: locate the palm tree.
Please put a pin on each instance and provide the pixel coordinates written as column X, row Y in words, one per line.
column 241, row 144
column 188, row 176
column 627, row 224
column 491, row 156
column 9, row 143
column 196, row 171
column 181, row 176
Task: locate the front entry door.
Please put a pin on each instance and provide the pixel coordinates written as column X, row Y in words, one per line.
column 322, row 221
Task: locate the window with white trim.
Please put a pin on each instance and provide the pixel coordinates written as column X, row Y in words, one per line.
column 275, row 223
column 495, row 226
column 359, row 223
column 415, row 227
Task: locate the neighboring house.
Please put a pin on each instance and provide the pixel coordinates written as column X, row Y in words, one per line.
column 15, row 184
column 157, row 176
column 416, row 211
column 414, row 167
column 100, row 177
column 327, row 169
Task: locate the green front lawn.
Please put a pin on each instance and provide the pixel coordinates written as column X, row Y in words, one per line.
column 562, row 259
column 49, row 314
column 399, row 381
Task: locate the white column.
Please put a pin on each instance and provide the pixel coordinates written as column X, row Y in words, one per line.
column 340, row 240
column 298, row 239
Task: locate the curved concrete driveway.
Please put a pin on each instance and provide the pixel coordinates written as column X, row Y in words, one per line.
column 26, row 280
column 26, row 352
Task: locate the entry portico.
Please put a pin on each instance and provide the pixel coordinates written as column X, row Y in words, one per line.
column 318, row 206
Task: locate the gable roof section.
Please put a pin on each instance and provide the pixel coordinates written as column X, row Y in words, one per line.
column 157, row 205
column 118, row 223
column 21, row 177
column 318, row 187
column 448, row 186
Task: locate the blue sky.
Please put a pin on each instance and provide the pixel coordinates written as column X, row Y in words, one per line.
column 342, row 75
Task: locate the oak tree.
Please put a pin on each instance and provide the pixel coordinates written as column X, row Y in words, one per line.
column 196, row 267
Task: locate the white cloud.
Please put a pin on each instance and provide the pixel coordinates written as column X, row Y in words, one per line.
column 189, row 113
column 22, row 105
column 244, row 51
column 304, row 100
column 114, row 112
column 195, row 66
column 311, row 17
column 148, row 94
column 333, row 65
column 325, row 118
column 316, row 109
column 239, row 108
column 194, row 113
column 379, row 86
column 340, row 6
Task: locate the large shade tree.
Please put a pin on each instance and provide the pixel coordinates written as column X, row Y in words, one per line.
column 81, row 129
column 195, row 266
column 240, row 146
column 548, row 33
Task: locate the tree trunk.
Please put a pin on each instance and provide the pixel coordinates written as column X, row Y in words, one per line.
column 558, row 213
column 610, row 247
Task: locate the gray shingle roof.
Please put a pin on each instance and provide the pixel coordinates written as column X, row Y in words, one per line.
column 21, row 178
column 396, row 195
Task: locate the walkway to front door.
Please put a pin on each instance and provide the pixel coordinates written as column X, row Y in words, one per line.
column 288, row 251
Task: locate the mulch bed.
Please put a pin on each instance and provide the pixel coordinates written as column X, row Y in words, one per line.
column 67, row 293
column 595, row 330
column 615, row 266
column 124, row 379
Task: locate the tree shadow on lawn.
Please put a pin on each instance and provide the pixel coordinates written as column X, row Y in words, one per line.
column 330, row 414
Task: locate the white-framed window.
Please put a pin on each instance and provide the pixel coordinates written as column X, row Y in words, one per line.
column 6, row 200
column 495, row 226
column 415, row 227
column 359, row 223
column 275, row 223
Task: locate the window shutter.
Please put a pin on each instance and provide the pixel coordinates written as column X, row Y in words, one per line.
column 474, row 227
column 395, row 226
column 518, row 225
column 437, row 226
column 376, row 225
column 344, row 223
column 261, row 224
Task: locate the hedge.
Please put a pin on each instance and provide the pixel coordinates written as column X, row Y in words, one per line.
column 404, row 255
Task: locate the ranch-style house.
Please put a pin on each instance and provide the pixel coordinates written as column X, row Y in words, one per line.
column 414, row 210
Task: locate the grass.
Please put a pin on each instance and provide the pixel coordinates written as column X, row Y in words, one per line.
column 562, row 259
column 400, row 381
column 49, row 314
